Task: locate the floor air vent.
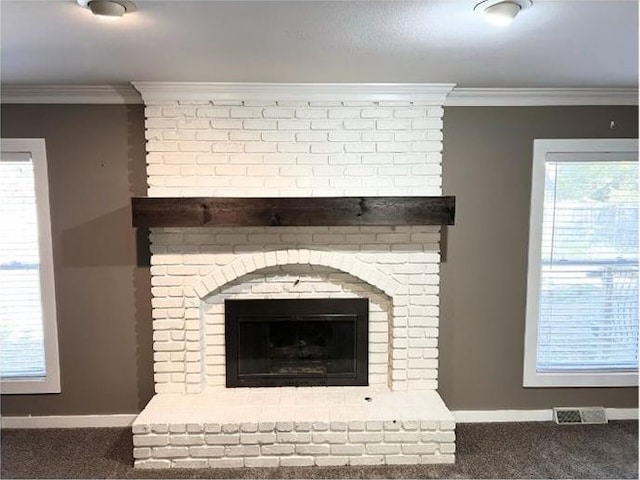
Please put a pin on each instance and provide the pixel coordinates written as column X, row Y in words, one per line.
column 588, row 415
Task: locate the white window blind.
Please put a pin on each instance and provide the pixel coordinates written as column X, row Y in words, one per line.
column 21, row 329
column 28, row 330
column 588, row 311
column 582, row 301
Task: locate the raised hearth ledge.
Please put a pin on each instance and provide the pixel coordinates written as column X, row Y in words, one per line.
column 289, row 426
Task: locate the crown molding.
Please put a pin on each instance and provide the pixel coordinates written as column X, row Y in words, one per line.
column 89, row 94
column 529, row 97
column 434, row 93
column 425, row 92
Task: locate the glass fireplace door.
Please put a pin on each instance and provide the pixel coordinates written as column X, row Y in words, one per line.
column 296, row 342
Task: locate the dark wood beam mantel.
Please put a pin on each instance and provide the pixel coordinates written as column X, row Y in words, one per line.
column 281, row 212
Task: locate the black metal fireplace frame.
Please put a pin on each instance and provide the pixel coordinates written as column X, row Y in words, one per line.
column 276, row 308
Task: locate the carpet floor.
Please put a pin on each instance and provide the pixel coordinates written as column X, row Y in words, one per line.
column 507, row 450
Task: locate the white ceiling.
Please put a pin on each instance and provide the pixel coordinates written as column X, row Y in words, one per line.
column 555, row 43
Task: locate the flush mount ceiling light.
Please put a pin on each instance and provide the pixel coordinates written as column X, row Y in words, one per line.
column 501, row 12
column 108, row 8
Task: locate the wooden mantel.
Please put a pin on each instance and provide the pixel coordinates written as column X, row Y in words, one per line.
column 277, row 212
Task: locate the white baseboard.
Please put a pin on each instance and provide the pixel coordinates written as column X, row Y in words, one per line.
column 70, row 421
column 622, row 413
column 461, row 416
column 546, row 415
column 490, row 416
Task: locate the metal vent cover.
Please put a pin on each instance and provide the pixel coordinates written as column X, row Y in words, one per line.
column 582, row 415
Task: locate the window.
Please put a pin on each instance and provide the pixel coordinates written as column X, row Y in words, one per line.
column 28, row 332
column 582, row 292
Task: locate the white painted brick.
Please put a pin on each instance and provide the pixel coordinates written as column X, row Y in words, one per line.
column 327, row 147
column 286, row 437
column 437, row 459
column 248, row 427
column 176, row 428
column 190, row 463
column 242, row 451
column 327, row 124
column 278, row 449
column 153, row 463
column 139, row 453
column 278, row 113
column 410, row 425
column 311, row 113
column 376, row 113
column 401, row 437
column 445, row 437
column 319, row 426
column 297, row 461
column 259, row 124
column 161, row 123
column 150, row 440
column 359, row 147
column 447, row 448
column 338, row 426
column 366, row 437
column 402, row 459
column 188, row 440
column 393, row 124
column 391, row 426
column 296, row 124
column 212, row 112
column 170, row 452
column 246, row 112
column 333, row 437
column 382, row 449
column 140, row 428
column 258, row 438
column 150, row 112
column 226, row 462
column 316, row 450
column 331, row 461
column 230, row 428
column 222, row 439
column 262, row 462
column 179, row 112
column 367, row 460
column 447, row 425
column 410, row 113
column 344, row 112
column 310, row 136
column 195, row 428
column 193, row 124
column 357, row 425
column 418, row 449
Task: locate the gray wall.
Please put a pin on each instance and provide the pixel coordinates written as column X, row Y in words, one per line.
column 96, row 163
column 487, row 165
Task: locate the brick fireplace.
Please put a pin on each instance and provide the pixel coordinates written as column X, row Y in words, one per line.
column 220, row 140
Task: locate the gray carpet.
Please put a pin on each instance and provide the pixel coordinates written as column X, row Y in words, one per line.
column 508, row 450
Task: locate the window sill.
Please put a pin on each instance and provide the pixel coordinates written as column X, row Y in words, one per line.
column 28, row 386
column 590, row 379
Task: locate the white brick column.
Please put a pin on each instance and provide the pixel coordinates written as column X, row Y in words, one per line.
column 248, row 140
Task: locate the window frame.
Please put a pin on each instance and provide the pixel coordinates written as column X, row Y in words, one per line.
column 50, row 383
column 607, row 149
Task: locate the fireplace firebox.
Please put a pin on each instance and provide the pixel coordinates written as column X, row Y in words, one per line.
column 296, row 342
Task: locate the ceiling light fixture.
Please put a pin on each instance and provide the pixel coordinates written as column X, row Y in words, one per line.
column 501, row 12
column 108, row 8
